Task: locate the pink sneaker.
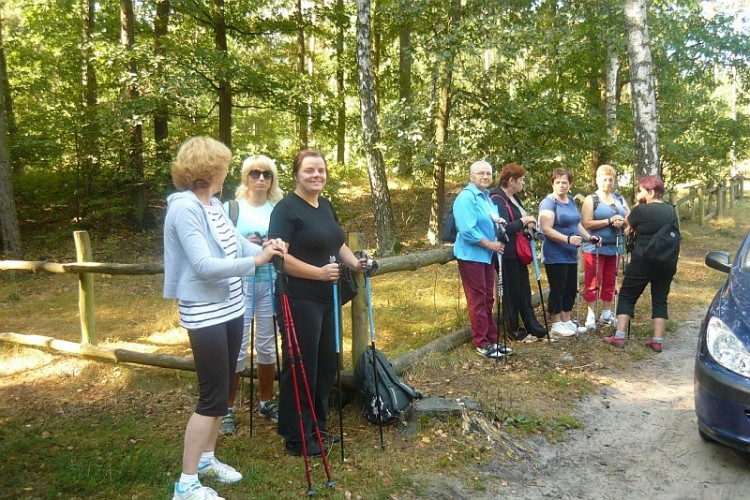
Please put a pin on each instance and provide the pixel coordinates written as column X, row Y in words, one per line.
column 654, row 346
column 614, row 342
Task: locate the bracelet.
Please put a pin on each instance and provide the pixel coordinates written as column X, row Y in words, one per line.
column 568, row 239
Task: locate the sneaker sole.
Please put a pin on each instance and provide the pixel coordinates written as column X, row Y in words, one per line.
column 564, row 334
column 218, row 479
column 616, row 346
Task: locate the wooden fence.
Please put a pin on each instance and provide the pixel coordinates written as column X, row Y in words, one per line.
column 702, row 203
column 85, row 269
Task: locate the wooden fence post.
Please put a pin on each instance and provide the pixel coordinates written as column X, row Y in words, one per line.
column 701, row 208
column 85, row 289
column 360, row 321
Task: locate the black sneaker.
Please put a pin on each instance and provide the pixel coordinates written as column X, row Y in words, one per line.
column 295, row 448
column 521, row 335
column 270, row 410
column 330, row 438
column 505, row 350
column 490, row 352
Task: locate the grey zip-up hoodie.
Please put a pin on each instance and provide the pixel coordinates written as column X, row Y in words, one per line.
column 195, row 265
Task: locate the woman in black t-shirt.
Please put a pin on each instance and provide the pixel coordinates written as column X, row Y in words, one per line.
column 649, row 215
column 313, row 235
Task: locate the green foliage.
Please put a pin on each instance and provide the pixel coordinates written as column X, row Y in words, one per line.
column 526, row 81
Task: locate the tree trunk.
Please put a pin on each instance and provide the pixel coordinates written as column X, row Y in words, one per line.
column 8, row 216
column 340, row 83
column 302, row 118
column 225, row 86
column 611, row 94
column 405, row 94
column 642, row 89
column 161, row 113
column 7, row 97
column 138, row 202
column 442, row 120
column 89, row 153
column 381, row 198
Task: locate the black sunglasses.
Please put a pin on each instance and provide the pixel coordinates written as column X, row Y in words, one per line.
column 255, row 174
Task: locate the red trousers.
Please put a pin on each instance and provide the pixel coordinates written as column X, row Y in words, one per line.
column 478, row 280
column 608, row 265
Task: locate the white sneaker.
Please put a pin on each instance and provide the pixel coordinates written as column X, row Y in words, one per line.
column 607, row 319
column 195, row 492
column 560, row 328
column 590, row 321
column 572, row 327
column 222, row 473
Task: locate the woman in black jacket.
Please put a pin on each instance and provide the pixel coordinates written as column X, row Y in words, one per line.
column 516, row 287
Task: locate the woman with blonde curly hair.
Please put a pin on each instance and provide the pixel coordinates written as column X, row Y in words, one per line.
column 204, row 260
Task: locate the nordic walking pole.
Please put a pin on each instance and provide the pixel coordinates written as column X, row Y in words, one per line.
column 296, row 364
column 292, row 367
column 372, row 344
column 501, row 236
column 275, row 327
column 538, row 275
column 252, row 357
column 578, row 288
column 579, row 328
column 625, row 264
column 337, row 320
column 499, row 307
column 598, row 290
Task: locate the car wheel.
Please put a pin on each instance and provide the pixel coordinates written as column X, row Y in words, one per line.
column 705, row 436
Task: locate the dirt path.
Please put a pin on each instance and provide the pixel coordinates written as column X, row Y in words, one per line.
column 639, row 440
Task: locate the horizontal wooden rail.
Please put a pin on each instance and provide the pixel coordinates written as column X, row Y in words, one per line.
column 82, row 267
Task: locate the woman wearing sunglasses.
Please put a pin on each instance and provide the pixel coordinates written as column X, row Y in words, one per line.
column 256, row 196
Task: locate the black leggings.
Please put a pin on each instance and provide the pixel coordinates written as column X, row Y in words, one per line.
column 562, row 287
column 315, row 327
column 215, row 351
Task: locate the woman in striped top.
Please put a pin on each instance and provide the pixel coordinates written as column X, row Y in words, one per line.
column 204, row 260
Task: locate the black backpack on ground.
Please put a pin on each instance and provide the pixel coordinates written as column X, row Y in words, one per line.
column 395, row 395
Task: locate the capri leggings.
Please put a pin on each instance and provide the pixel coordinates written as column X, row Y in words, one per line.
column 639, row 274
column 562, row 287
column 215, row 350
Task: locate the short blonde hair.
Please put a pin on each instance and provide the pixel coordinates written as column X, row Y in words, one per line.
column 198, row 161
column 606, row 170
column 274, row 192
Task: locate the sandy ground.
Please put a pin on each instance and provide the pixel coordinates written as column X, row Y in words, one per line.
column 639, row 440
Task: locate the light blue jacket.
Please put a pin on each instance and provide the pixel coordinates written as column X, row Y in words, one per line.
column 195, row 265
column 472, row 213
